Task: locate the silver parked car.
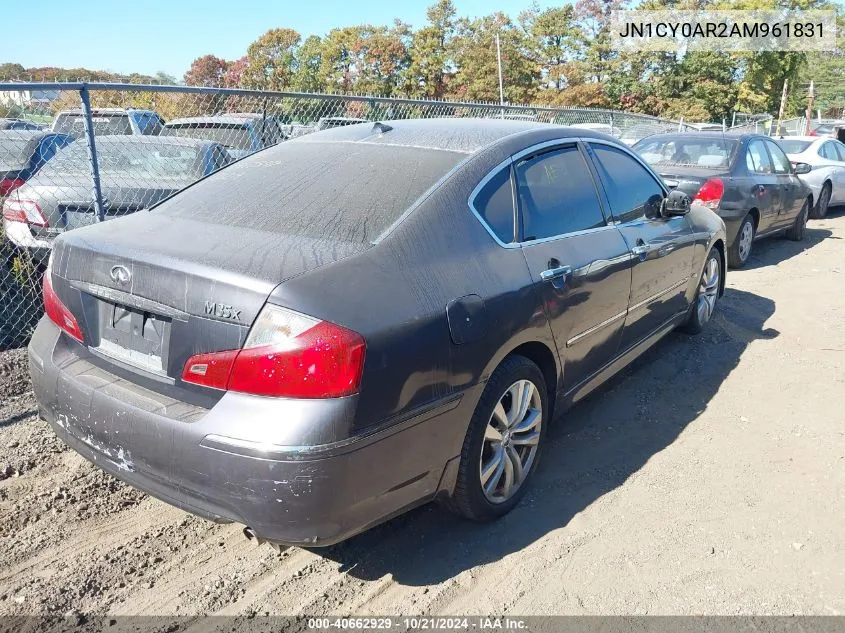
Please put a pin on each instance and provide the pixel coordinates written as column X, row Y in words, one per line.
column 826, row 158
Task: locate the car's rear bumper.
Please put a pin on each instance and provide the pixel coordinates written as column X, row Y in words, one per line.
column 214, row 462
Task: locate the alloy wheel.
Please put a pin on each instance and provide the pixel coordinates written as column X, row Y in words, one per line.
column 708, row 290
column 746, row 237
column 511, row 440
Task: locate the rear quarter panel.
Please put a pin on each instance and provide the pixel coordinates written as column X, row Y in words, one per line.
column 396, row 295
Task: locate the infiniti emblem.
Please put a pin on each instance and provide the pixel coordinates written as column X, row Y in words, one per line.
column 120, row 274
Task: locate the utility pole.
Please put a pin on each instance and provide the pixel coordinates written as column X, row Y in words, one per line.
column 499, row 61
column 811, row 96
column 782, row 105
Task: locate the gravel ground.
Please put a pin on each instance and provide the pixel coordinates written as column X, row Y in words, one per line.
column 708, row 478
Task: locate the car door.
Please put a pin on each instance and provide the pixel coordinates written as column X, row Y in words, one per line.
column 579, row 262
column 661, row 247
column 762, row 187
column 838, row 191
column 791, row 188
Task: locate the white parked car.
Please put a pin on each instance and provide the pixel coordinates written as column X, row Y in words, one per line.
column 826, row 157
column 604, row 128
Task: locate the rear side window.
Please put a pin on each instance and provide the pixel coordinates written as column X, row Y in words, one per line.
column 633, row 192
column 557, row 194
column 840, row 148
column 757, row 158
column 333, row 191
column 828, row 151
column 494, row 203
column 779, row 159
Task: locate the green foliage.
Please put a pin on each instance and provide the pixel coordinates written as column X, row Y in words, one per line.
column 558, row 55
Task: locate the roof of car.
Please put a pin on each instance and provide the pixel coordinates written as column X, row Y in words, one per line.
column 465, row 135
column 703, row 134
column 24, row 134
column 225, row 119
column 802, row 138
column 126, row 139
column 104, row 111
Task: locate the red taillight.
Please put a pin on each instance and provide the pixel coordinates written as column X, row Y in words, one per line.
column 25, row 211
column 710, row 194
column 8, row 185
column 286, row 355
column 58, row 312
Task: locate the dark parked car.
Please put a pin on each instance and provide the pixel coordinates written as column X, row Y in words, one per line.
column 747, row 179
column 110, row 121
column 365, row 319
column 23, row 153
column 241, row 133
column 136, row 172
column 18, row 124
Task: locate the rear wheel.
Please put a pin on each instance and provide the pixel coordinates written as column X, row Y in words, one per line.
column 502, row 444
column 797, row 230
column 820, row 210
column 740, row 250
column 707, row 295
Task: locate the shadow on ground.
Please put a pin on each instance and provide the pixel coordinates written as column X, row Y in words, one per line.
column 772, row 251
column 591, row 450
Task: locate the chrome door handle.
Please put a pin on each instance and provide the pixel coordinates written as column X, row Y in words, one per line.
column 640, row 250
column 665, row 250
column 555, row 273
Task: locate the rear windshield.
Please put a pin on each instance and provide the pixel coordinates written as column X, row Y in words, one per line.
column 148, row 161
column 14, row 153
column 344, row 191
column 74, row 124
column 793, row 147
column 234, row 136
column 682, row 151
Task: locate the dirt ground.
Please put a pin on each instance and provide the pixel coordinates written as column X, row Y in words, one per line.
column 708, row 478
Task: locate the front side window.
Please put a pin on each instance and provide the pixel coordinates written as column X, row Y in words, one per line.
column 557, row 194
column 779, row 159
column 633, row 192
column 494, row 203
column 757, row 158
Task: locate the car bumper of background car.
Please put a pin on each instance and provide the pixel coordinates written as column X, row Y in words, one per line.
column 20, row 235
column 213, row 466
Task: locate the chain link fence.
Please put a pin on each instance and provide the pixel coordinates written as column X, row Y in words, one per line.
column 93, row 152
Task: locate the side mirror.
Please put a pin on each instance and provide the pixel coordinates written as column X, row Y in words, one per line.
column 676, row 203
column 802, row 168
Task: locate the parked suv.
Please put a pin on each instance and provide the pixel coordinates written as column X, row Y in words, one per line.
column 110, row 121
column 240, row 133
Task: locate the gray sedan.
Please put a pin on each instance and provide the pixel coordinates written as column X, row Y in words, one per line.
column 826, row 178
column 136, row 172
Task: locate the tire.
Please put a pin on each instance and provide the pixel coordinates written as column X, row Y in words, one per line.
column 820, row 210
column 707, row 295
column 797, row 231
column 740, row 250
column 470, row 499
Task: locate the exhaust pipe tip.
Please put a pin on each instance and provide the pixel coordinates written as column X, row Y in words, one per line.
column 250, row 535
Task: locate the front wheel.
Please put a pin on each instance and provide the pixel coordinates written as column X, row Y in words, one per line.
column 704, row 305
column 502, row 444
column 797, row 230
column 820, row 210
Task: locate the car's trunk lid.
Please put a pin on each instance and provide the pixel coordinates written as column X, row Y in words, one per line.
column 687, row 179
column 151, row 290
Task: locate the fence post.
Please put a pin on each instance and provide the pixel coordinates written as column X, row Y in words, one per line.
column 96, row 191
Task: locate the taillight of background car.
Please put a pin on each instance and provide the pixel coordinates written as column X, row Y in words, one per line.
column 26, row 211
column 287, row 354
column 711, row 192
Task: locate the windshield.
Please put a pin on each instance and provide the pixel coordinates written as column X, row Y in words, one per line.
column 234, row 136
column 682, row 151
column 337, row 191
column 74, row 124
column 141, row 161
column 14, row 154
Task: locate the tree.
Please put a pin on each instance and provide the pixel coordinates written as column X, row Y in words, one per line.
column 166, row 79
column 475, row 58
column 270, row 60
column 555, row 40
column 429, row 58
column 207, row 70
column 308, row 60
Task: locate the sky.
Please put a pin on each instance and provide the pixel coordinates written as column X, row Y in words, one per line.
column 148, row 36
